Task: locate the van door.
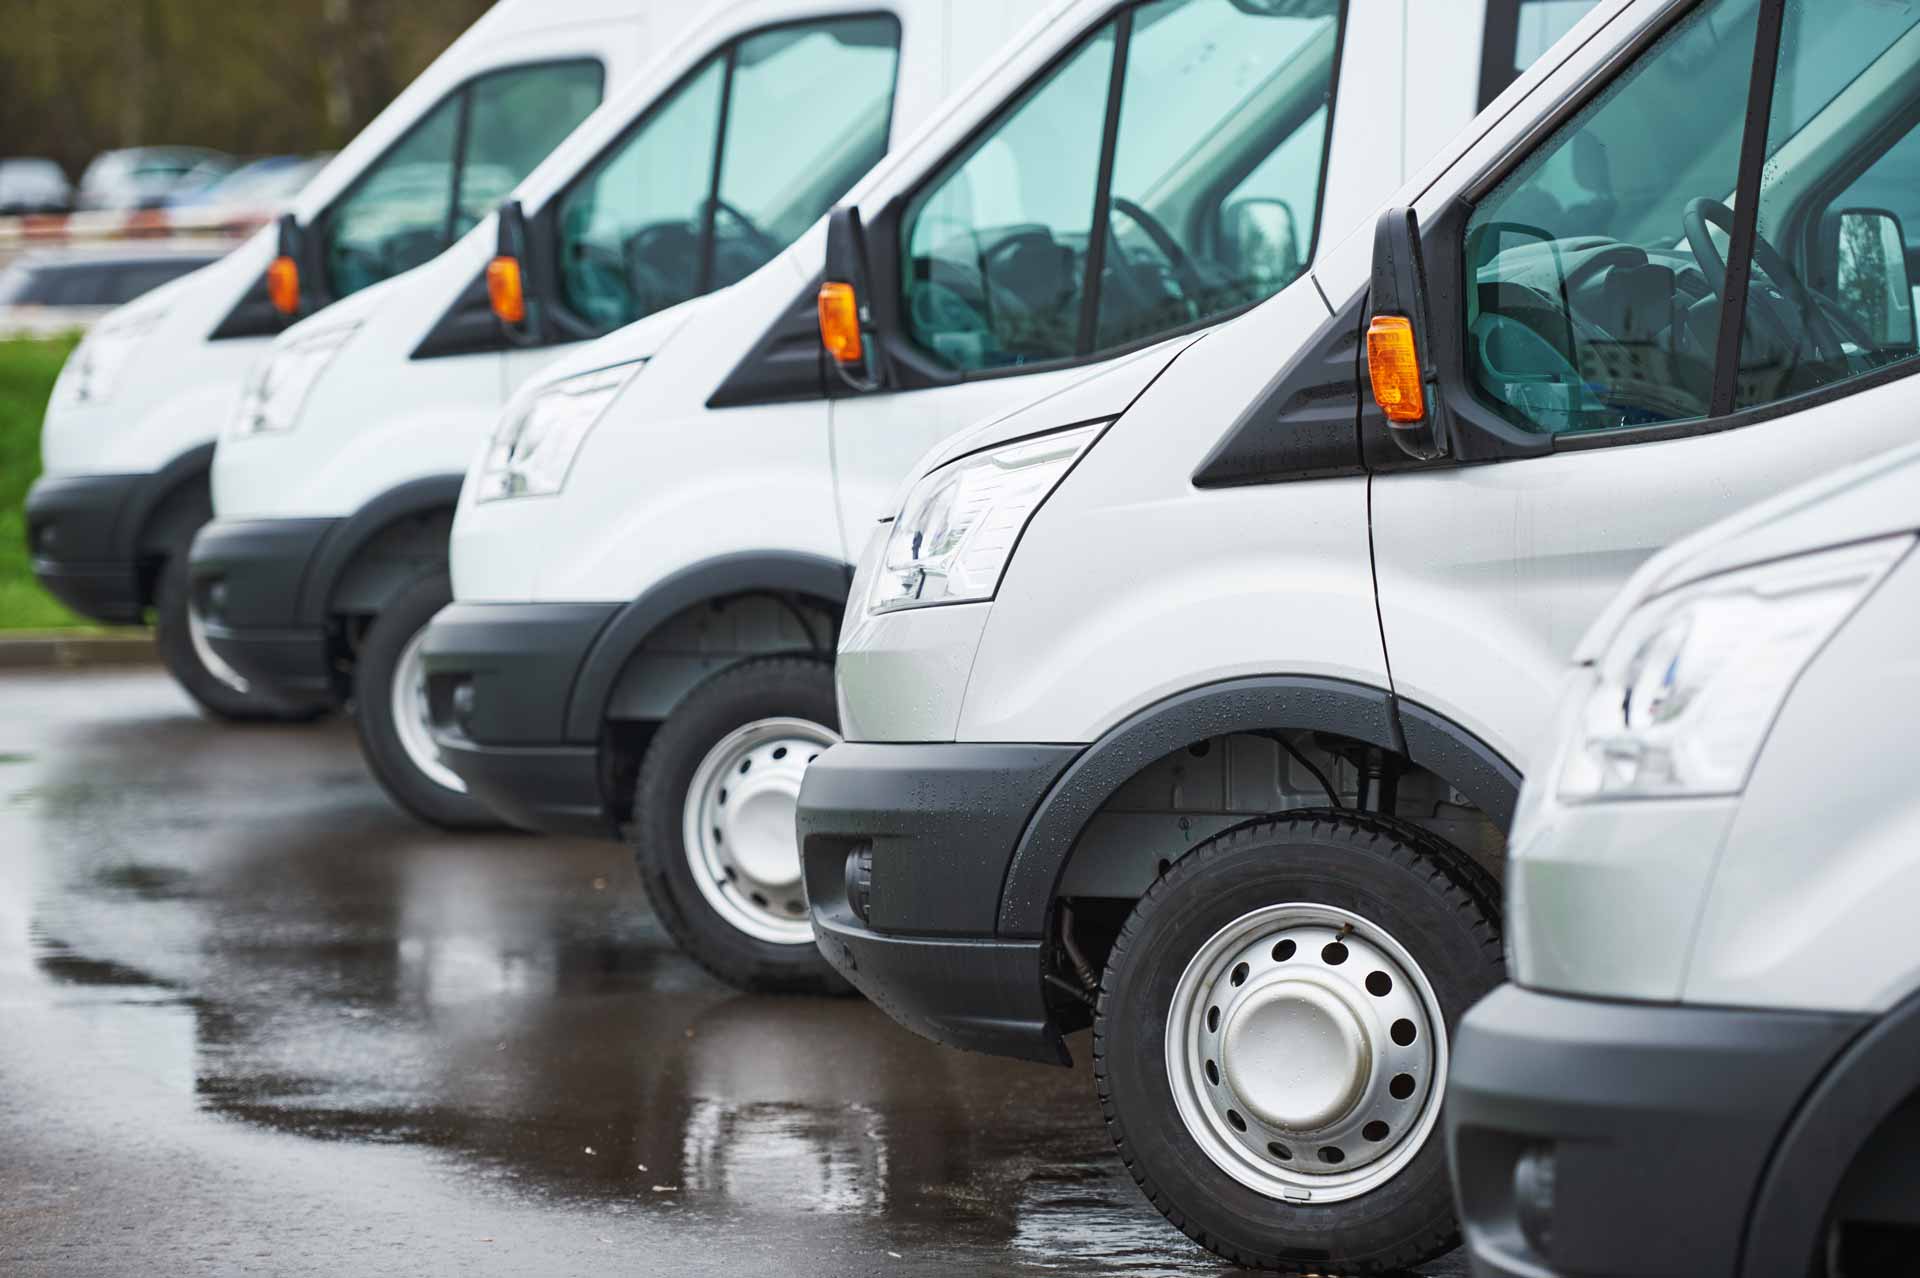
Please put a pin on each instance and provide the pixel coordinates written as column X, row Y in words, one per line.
column 1601, row 267
column 1164, row 171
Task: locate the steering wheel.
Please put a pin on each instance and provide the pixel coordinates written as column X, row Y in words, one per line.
column 761, row 241
column 1182, row 266
column 1817, row 328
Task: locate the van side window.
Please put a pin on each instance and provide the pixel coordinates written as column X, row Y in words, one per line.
column 517, row 117
column 674, row 210
column 452, row 167
column 1208, row 199
column 1597, row 270
column 1586, row 308
column 1831, row 295
column 996, row 249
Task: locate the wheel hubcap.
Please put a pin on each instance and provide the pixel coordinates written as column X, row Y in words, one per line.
column 211, row 661
column 413, row 720
column 1305, row 1052
column 738, row 827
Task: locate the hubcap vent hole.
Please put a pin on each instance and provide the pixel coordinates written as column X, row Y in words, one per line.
column 1334, row 955
column 1376, row 1131
column 1401, row 1087
column 1284, row 951
column 1379, row 984
column 1404, row 1033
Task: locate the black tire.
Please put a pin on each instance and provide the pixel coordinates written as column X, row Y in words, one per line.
column 373, row 675
column 763, row 688
column 1428, row 895
column 173, row 636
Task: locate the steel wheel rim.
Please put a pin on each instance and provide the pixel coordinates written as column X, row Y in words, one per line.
column 1286, row 1060
column 413, row 720
column 738, row 827
column 209, row 660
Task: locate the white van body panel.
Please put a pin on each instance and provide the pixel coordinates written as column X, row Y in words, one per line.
column 1131, row 585
column 182, row 389
column 377, row 418
column 1782, row 895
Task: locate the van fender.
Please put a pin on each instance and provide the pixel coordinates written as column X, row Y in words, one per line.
column 1296, row 703
column 741, row 573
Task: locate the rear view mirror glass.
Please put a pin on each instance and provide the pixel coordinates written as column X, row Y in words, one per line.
column 1871, row 282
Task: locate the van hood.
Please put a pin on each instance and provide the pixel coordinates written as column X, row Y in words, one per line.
column 1105, row 392
column 1879, row 497
column 642, row 339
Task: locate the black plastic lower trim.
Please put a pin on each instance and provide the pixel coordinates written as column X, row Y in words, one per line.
column 548, row 789
column 499, row 677
column 942, row 821
column 1658, row 1122
column 520, row 660
column 977, row 993
column 79, row 556
column 246, row 578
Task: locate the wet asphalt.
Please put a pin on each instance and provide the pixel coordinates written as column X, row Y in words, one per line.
column 255, row 1020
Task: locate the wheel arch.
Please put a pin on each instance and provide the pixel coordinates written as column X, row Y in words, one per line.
column 342, row 562
column 1355, row 711
column 178, row 500
column 773, row 572
column 1867, row 1085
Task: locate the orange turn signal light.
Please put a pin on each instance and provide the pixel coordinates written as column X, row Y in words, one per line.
column 506, row 290
column 1394, row 366
column 283, row 285
column 840, row 322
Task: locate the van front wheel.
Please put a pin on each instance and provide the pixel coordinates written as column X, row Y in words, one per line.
column 1270, row 1046
column 390, row 713
column 713, row 822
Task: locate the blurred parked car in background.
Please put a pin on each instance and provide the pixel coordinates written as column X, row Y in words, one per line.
column 264, row 185
column 58, row 292
column 143, row 177
column 31, row 185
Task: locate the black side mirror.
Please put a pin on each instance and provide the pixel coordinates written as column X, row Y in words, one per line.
column 509, row 283
column 1866, row 275
column 847, row 330
column 1399, row 340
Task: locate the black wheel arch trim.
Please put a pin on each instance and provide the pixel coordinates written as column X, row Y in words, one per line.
column 149, row 499
column 1870, row 1079
column 345, row 541
column 740, row 573
column 1343, row 707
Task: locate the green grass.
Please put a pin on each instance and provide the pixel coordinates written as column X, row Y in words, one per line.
column 27, row 370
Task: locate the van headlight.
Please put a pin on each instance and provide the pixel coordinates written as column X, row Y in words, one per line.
column 534, row 445
column 957, row 530
column 1687, row 689
column 94, row 370
column 277, row 386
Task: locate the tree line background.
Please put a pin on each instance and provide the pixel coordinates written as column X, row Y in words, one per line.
column 247, row 76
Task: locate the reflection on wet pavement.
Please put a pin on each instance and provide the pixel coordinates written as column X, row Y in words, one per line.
column 257, row 1021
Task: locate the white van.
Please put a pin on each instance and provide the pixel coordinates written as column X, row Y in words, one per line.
column 648, row 607
column 1709, row 1049
column 335, row 484
column 1192, row 704
column 129, row 433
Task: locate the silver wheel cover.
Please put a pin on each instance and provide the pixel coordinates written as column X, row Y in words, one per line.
column 413, row 721
column 1307, row 1053
column 738, row 827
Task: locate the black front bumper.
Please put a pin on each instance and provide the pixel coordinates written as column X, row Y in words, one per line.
column 498, row 678
column 248, row 577
column 1652, row 1125
column 925, row 833
column 82, row 552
